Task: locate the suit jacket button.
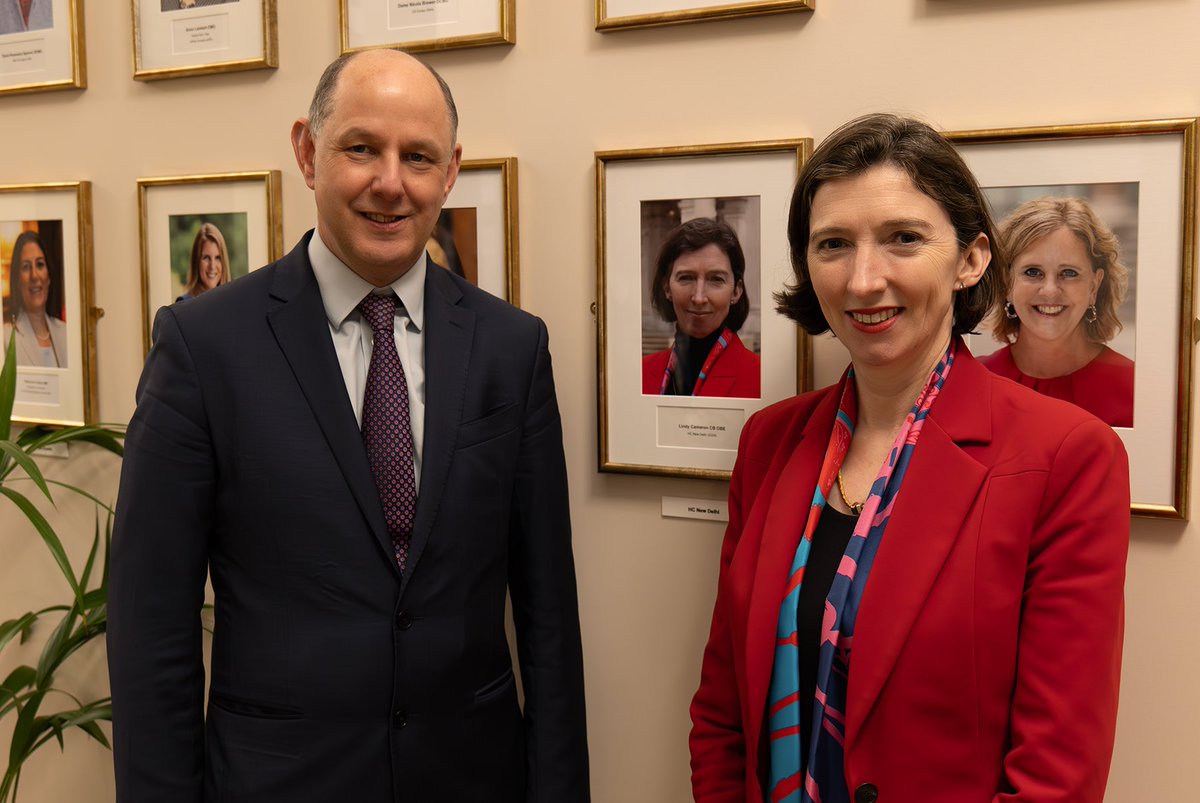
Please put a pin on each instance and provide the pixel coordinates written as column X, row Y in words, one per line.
column 404, row 620
column 866, row 793
column 400, row 719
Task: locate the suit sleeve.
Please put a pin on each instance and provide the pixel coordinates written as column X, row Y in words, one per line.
column 1064, row 706
column 718, row 740
column 156, row 583
column 545, row 604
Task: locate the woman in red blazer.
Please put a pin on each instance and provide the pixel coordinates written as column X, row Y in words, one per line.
column 920, row 596
column 699, row 285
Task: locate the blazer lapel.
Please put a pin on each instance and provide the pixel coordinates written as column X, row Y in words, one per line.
column 449, row 333
column 299, row 324
column 942, row 484
column 787, row 511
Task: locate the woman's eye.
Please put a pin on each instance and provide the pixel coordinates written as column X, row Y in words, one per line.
column 1069, row 273
column 907, row 238
column 1032, row 273
column 831, row 244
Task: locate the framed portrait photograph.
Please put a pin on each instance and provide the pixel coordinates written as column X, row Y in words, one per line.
column 46, row 297
column 691, row 246
column 199, row 232
column 1098, row 222
column 612, row 15
column 476, row 234
column 176, row 38
column 421, row 25
column 41, row 46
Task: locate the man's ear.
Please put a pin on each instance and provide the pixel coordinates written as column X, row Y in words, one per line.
column 305, row 149
column 452, row 171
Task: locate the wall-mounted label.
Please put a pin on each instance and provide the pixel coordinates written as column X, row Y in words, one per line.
column 200, row 34
column 28, row 55
column 419, row 13
column 38, row 388
column 679, row 507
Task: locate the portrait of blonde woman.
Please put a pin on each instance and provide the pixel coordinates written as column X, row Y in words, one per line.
column 1063, row 288
column 209, row 262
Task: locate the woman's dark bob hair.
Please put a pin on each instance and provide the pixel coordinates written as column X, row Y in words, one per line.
column 692, row 236
column 934, row 167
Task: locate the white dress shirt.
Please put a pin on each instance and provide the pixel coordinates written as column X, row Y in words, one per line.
column 341, row 290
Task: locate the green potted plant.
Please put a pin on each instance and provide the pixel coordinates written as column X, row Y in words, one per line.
column 38, row 710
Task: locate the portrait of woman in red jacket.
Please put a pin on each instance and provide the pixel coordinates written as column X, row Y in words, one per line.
column 699, row 285
column 1065, row 283
column 920, row 596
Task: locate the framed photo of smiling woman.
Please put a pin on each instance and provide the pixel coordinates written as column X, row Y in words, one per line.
column 200, row 232
column 691, row 246
column 46, row 298
column 1098, row 222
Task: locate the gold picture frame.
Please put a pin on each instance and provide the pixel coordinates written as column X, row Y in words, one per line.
column 477, row 235
column 640, row 195
column 180, row 38
column 654, row 13
column 366, row 24
column 177, row 216
column 1154, row 163
column 56, row 217
column 45, row 57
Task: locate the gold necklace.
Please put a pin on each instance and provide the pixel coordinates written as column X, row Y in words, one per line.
column 855, row 507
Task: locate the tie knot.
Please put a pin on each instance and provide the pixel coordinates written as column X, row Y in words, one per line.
column 379, row 311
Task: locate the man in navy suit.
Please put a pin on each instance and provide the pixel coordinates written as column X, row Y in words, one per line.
column 338, row 675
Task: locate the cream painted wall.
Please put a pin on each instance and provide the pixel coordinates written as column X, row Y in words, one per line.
column 646, row 584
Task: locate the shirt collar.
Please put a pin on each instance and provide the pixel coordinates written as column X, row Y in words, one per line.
column 342, row 289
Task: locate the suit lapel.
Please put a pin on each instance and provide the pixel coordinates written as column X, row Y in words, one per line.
column 449, row 333
column 787, row 511
column 942, row 484
column 299, row 324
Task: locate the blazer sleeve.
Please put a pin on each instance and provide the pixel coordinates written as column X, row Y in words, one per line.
column 718, row 740
column 156, row 583
column 544, row 600
column 1064, row 705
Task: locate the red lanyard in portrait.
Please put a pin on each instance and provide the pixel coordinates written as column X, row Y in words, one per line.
column 713, row 355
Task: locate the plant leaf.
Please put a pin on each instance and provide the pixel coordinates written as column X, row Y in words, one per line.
column 27, row 463
column 14, row 626
column 49, row 537
column 24, row 730
column 8, row 392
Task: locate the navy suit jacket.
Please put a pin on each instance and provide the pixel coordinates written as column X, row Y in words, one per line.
column 333, row 676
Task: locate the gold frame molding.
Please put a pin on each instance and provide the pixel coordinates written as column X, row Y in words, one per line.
column 268, row 60
column 753, row 8
column 802, row 149
column 78, row 77
column 506, row 35
column 507, row 167
column 88, row 312
column 1186, row 129
column 271, row 180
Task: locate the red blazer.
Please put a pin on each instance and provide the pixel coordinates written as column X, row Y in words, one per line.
column 987, row 649
column 737, row 373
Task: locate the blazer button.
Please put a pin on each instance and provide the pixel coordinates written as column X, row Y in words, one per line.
column 404, row 620
column 866, row 793
column 400, row 719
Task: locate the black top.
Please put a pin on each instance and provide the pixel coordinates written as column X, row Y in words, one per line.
column 690, row 355
column 833, row 532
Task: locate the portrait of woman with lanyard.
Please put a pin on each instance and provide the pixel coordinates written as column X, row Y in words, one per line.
column 699, row 285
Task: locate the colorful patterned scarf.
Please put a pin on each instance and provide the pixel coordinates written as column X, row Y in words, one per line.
column 824, row 780
column 713, row 355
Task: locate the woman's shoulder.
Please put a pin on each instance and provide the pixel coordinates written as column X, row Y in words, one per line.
column 772, row 423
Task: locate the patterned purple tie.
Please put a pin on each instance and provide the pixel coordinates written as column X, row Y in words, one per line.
column 386, row 430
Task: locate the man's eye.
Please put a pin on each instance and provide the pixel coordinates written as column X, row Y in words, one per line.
column 418, row 157
column 358, row 149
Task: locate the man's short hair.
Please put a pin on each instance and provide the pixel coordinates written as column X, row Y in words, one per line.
column 322, row 101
